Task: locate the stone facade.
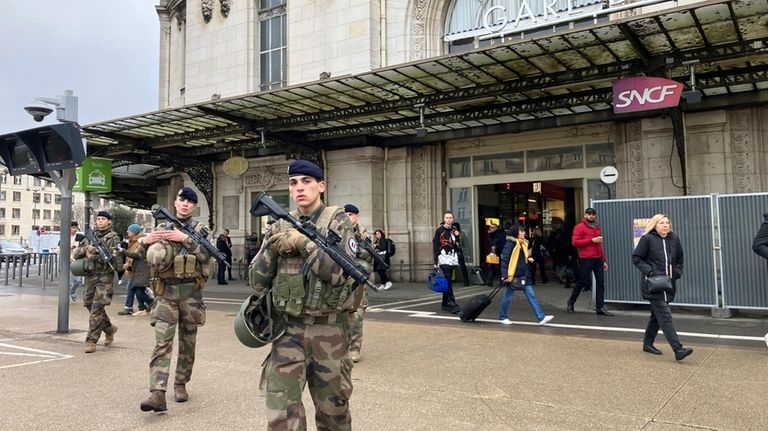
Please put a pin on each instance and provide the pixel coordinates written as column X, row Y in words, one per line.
column 403, row 190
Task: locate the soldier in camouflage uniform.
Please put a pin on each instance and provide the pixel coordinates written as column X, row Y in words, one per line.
column 364, row 258
column 179, row 269
column 316, row 298
column 99, row 278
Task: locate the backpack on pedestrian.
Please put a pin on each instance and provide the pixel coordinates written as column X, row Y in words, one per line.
column 390, row 248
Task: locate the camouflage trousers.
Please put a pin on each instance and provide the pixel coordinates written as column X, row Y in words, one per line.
column 98, row 295
column 180, row 305
column 313, row 355
column 356, row 324
column 356, row 329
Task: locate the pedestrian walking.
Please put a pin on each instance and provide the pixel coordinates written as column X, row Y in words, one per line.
column 313, row 350
column 179, row 268
column 74, row 281
column 446, row 258
column 659, row 253
column 385, row 248
column 496, row 241
column 356, row 318
column 99, row 279
column 228, row 254
column 760, row 246
column 137, row 273
column 589, row 242
column 516, row 275
column 223, row 246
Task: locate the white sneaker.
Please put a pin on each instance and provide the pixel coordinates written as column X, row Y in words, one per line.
column 141, row 313
column 387, row 285
column 766, row 338
column 506, row 322
column 546, row 319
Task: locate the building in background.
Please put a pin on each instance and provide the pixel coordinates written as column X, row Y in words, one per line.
column 492, row 109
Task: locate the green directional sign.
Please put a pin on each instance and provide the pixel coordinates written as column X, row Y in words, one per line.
column 94, row 176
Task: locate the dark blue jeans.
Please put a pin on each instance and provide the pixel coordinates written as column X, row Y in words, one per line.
column 141, row 295
column 661, row 317
column 222, row 274
column 586, row 268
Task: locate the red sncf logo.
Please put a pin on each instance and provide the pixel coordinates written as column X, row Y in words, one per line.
column 643, row 93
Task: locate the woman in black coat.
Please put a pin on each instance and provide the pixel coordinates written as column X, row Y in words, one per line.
column 659, row 252
column 383, row 247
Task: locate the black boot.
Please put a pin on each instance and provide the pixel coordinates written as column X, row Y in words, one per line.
column 682, row 352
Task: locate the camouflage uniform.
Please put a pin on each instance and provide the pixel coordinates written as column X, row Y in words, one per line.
column 99, row 287
column 178, row 301
column 356, row 318
column 311, row 290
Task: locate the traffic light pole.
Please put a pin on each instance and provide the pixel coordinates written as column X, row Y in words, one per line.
column 65, row 180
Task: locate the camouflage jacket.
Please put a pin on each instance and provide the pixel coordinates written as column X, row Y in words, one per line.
column 94, row 264
column 312, row 284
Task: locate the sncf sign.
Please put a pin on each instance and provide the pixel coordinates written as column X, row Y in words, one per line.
column 642, row 93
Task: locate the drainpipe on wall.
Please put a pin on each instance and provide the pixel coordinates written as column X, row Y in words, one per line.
column 678, row 132
column 383, row 33
column 386, row 200
column 212, row 205
column 325, row 172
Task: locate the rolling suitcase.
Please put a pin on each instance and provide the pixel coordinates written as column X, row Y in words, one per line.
column 476, row 305
column 477, row 275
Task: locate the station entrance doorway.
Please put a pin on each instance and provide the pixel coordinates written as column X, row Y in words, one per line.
column 545, row 206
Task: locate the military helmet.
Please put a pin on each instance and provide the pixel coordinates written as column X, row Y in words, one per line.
column 258, row 323
column 77, row 267
column 160, row 255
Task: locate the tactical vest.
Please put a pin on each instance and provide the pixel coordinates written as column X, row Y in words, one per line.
column 179, row 266
column 297, row 290
column 93, row 267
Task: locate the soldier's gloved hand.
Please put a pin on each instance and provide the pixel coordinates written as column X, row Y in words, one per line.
column 91, row 249
column 290, row 243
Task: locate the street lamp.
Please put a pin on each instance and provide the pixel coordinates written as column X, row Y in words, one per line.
column 66, row 112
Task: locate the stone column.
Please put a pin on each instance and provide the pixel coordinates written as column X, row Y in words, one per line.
column 165, row 61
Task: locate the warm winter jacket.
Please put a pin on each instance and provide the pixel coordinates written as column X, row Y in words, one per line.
column 444, row 243
column 383, row 248
column 582, row 240
column 649, row 258
column 760, row 243
column 521, row 270
column 139, row 269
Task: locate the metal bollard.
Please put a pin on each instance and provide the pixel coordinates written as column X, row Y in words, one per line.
column 21, row 268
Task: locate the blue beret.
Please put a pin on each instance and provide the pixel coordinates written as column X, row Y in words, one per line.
column 304, row 167
column 188, row 194
column 349, row 208
column 103, row 213
column 134, row 228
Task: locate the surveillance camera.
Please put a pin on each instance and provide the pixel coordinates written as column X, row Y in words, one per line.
column 38, row 110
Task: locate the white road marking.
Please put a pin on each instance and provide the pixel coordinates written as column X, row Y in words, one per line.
column 433, row 315
column 49, row 356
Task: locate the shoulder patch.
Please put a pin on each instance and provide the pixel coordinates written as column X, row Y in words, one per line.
column 352, row 243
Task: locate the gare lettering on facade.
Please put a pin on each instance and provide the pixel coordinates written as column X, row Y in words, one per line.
column 642, row 93
column 494, row 18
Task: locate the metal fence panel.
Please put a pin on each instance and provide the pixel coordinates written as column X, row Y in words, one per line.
column 744, row 273
column 691, row 218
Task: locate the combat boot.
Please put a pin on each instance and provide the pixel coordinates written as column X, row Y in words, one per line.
column 180, row 393
column 109, row 336
column 155, row 402
column 90, row 347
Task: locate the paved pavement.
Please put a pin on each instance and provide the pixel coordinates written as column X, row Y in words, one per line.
column 421, row 369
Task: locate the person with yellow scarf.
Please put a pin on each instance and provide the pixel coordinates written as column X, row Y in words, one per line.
column 517, row 276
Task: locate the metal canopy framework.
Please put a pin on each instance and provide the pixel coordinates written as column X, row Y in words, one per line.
column 514, row 84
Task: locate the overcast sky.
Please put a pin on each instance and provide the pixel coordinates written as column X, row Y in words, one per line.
column 104, row 50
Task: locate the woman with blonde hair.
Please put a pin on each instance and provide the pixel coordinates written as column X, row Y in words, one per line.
column 659, row 253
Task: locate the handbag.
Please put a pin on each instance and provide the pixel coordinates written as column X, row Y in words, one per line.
column 659, row 284
column 492, row 258
column 437, row 281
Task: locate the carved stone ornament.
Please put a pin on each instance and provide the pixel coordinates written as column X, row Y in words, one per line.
column 418, row 37
column 266, row 177
column 207, row 9
column 635, row 148
column 419, row 181
column 226, row 5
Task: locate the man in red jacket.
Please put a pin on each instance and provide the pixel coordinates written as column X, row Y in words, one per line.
column 589, row 242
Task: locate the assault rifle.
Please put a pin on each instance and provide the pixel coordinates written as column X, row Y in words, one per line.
column 264, row 205
column 161, row 213
column 105, row 255
column 367, row 246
